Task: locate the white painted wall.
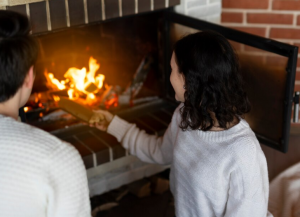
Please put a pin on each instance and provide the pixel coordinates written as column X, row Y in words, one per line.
column 209, row 10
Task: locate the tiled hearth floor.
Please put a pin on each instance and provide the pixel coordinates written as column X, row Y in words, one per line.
column 97, row 147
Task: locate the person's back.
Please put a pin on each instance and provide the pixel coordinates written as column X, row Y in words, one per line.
column 39, row 174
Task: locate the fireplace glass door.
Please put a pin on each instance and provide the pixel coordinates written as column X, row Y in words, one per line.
column 268, row 68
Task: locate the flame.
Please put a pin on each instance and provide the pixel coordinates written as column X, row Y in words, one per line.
column 79, row 81
column 72, row 94
column 26, row 109
column 56, row 98
column 56, row 82
column 91, row 96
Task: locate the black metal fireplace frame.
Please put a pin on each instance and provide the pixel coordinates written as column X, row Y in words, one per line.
column 169, row 17
column 266, row 44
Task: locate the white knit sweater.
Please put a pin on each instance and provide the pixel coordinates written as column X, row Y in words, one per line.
column 39, row 174
column 213, row 174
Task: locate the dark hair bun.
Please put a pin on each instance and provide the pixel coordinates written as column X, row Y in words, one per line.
column 13, row 24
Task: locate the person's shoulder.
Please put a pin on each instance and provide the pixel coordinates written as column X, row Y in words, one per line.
column 245, row 144
column 176, row 114
column 38, row 138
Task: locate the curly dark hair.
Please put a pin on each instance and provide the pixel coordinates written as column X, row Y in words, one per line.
column 18, row 52
column 212, row 81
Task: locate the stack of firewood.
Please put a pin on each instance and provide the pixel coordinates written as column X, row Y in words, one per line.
column 142, row 188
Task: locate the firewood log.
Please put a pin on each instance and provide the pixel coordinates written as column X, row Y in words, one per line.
column 78, row 110
column 159, row 185
column 140, row 188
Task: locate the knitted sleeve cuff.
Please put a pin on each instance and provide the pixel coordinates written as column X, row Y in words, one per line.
column 118, row 127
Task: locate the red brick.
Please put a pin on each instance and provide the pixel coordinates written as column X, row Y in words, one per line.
column 286, row 5
column 228, row 17
column 253, row 30
column 237, row 46
column 255, row 59
column 270, row 18
column 248, row 4
column 297, row 76
column 297, row 87
column 253, row 49
column 298, row 62
column 276, row 61
column 298, row 20
column 285, row 33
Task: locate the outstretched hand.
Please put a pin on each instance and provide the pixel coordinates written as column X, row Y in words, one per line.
column 101, row 119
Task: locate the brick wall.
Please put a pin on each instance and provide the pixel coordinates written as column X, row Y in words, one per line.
column 276, row 19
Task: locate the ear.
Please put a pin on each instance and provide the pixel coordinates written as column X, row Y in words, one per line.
column 182, row 77
column 29, row 79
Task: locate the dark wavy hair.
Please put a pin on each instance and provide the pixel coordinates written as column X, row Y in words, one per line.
column 212, row 81
column 18, row 52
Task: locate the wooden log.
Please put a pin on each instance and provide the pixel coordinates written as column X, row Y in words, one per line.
column 75, row 109
column 140, row 188
column 159, row 185
column 108, row 91
column 78, row 110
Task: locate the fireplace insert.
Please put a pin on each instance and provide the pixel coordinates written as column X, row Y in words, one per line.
column 128, row 59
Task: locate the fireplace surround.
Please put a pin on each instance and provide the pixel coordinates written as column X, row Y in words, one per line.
column 119, row 41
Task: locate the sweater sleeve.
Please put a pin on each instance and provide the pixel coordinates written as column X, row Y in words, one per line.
column 68, row 193
column 148, row 148
column 249, row 186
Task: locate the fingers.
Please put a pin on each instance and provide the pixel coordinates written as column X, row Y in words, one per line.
column 108, row 116
column 100, row 119
column 102, row 127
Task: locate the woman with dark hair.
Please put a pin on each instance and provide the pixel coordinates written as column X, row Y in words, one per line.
column 217, row 165
column 40, row 175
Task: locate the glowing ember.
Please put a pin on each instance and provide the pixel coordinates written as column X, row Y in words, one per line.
column 79, row 81
column 112, row 102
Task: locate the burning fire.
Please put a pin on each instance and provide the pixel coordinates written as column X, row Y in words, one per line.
column 79, row 82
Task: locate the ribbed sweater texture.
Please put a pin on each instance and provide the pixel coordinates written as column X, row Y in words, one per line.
column 40, row 176
column 213, row 173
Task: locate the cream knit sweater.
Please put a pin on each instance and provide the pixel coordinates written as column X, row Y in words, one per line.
column 39, row 174
column 213, row 174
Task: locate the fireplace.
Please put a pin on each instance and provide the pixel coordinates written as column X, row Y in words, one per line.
column 127, row 54
column 122, row 56
column 133, row 52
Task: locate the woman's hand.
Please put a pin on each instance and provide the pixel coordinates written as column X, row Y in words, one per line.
column 101, row 119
